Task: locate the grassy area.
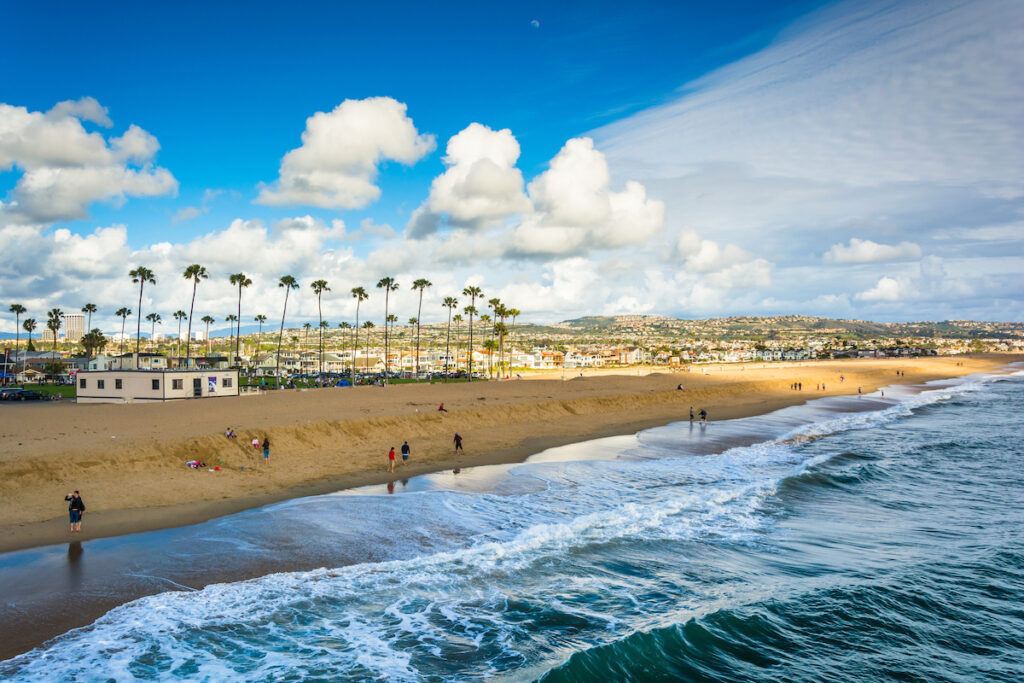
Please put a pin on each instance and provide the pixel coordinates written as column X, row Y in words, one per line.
column 63, row 390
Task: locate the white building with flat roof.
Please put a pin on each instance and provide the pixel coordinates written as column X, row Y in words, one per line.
column 148, row 386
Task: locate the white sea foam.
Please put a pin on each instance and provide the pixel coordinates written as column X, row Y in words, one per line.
column 374, row 620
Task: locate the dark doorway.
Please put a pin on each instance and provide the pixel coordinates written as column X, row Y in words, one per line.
column 197, row 387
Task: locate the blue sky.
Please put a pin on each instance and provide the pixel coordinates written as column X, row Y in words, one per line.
column 744, row 157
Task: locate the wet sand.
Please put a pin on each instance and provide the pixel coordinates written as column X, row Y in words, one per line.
column 129, row 460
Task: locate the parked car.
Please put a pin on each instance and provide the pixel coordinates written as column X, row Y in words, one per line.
column 7, row 393
column 28, row 396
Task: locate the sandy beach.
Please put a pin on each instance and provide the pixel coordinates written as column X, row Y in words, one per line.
column 129, row 460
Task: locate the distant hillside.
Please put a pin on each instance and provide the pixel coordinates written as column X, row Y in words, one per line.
column 756, row 326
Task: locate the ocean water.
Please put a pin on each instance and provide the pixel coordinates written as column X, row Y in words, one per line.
column 873, row 539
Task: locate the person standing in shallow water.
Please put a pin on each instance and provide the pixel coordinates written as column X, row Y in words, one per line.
column 76, row 508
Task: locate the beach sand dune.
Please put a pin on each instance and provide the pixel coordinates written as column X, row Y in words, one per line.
column 129, row 460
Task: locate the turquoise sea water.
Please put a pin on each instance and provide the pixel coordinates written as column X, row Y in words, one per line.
column 871, row 540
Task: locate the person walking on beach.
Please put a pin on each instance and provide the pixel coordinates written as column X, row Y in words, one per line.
column 76, row 508
column 391, row 459
column 691, row 413
column 266, row 449
column 405, row 453
column 458, row 442
column 703, row 416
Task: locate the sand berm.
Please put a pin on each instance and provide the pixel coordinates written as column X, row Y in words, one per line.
column 129, row 460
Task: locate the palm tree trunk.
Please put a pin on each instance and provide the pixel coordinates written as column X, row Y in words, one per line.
column 447, row 345
column 355, row 345
column 387, row 292
column 191, row 310
column 238, row 323
column 419, row 314
column 320, row 314
column 280, row 336
column 17, row 339
column 138, row 325
column 123, row 319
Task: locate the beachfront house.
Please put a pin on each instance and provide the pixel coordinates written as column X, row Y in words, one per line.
column 148, row 386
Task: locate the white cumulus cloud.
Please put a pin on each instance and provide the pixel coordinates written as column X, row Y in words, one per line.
column 65, row 167
column 336, row 166
column 481, row 186
column 866, row 251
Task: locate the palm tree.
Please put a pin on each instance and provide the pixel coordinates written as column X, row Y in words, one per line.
column 179, row 315
column 319, row 287
column 156, row 320
column 242, row 281
column 123, row 313
column 414, row 322
column 501, row 312
column 29, row 325
column 449, row 302
column 323, row 326
column 140, row 276
column 231, row 319
column 259, row 335
column 89, row 309
column 195, row 273
column 458, row 324
column 472, row 292
column 345, row 326
column 306, row 327
column 360, row 295
column 93, row 341
column 53, row 320
column 470, row 311
column 420, row 285
column 389, row 322
column 389, row 285
column 207, row 319
column 368, row 325
column 512, row 313
column 17, row 310
column 494, row 304
column 491, row 346
column 289, row 283
column 485, row 319
column 500, row 328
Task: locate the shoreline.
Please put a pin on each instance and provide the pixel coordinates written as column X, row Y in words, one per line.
column 561, row 414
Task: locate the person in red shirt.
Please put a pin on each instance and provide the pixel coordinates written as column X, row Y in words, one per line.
column 391, row 459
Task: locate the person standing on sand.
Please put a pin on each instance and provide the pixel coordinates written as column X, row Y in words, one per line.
column 391, row 459
column 458, row 442
column 405, row 453
column 76, row 508
column 266, row 449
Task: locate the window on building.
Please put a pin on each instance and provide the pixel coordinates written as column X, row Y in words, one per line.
column 99, row 383
column 227, row 382
column 81, row 383
column 117, row 384
column 156, row 385
column 177, row 384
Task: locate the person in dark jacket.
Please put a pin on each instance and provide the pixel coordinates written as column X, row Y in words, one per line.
column 76, row 508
